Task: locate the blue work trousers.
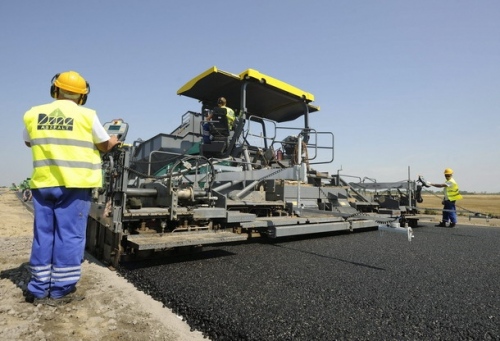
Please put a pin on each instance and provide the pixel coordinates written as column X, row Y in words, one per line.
column 449, row 212
column 206, row 133
column 59, row 239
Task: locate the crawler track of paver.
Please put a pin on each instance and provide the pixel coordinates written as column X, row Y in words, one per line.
column 443, row 285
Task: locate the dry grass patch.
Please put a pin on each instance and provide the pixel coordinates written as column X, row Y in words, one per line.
column 488, row 204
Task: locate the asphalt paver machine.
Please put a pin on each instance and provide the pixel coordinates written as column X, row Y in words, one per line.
column 173, row 192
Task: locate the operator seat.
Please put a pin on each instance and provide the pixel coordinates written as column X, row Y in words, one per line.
column 219, row 131
column 219, row 126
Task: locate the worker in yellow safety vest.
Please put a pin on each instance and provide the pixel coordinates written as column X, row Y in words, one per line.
column 230, row 116
column 451, row 194
column 65, row 140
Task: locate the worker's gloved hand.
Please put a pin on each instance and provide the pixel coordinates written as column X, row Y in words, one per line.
column 422, row 180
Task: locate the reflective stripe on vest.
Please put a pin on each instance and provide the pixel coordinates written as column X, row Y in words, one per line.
column 62, row 146
column 67, row 142
column 63, row 163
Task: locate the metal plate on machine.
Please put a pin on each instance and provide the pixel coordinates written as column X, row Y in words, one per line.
column 284, row 221
column 239, row 217
column 359, row 224
column 294, row 230
column 209, row 213
column 146, row 212
column 170, row 240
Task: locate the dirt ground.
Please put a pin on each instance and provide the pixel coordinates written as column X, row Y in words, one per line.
column 112, row 309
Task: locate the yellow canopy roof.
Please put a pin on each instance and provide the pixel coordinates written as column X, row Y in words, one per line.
column 265, row 96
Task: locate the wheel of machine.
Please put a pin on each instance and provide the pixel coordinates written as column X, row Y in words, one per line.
column 103, row 243
column 27, row 195
column 91, row 236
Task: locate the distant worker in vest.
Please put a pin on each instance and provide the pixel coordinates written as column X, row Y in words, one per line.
column 65, row 140
column 221, row 103
column 451, row 195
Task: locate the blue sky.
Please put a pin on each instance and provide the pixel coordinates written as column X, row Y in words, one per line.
column 405, row 86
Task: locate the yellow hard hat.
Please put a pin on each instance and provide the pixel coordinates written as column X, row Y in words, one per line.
column 448, row 171
column 71, row 81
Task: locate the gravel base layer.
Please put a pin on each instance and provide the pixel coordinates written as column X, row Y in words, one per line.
column 444, row 285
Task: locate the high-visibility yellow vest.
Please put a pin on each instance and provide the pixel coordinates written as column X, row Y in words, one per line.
column 64, row 153
column 230, row 117
column 452, row 192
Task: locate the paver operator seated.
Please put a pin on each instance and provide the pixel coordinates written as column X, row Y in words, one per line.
column 208, row 127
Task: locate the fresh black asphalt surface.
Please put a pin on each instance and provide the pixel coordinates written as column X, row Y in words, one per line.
column 444, row 285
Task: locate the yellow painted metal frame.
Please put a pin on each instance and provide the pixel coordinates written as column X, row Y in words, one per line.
column 276, row 83
column 264, row 96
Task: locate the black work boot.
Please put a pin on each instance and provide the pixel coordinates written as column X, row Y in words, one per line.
column 69, row 297
column 452, row 224
column 441, row 224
